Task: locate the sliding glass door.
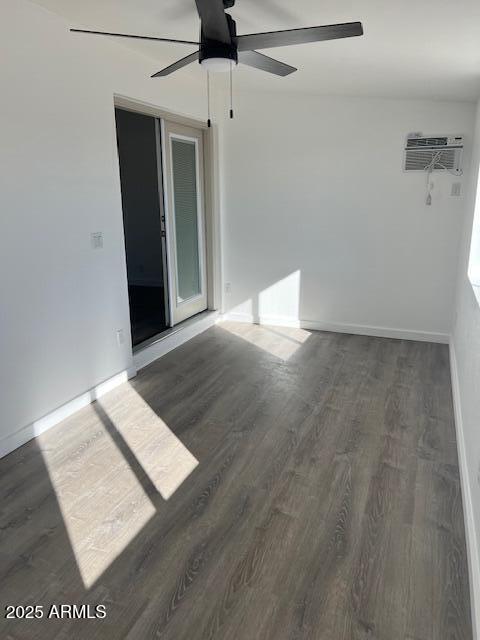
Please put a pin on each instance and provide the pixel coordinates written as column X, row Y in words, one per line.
column 143, row 223
column 185, row 212
column 162, row 182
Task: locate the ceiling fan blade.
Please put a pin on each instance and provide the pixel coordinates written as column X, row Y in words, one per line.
column 298, row 36
column 214, row 20
column 128, row 35
column 265, row 63
column 177, row 65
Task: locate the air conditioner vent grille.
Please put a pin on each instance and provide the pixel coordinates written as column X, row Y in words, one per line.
column 420, row 159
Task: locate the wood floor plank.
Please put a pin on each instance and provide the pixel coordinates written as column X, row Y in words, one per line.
column 256, row 483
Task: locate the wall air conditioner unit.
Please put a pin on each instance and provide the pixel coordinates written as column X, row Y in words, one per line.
column 433, row 153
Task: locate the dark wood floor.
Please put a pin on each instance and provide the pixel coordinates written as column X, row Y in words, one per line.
column 256, row 483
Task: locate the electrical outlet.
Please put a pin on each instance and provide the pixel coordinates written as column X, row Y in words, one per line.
column 456, row 189
column 97, row 240
column 228, row 287
column 120, row 337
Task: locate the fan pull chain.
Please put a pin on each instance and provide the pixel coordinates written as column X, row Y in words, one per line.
column 231, row 90
column 209, row 122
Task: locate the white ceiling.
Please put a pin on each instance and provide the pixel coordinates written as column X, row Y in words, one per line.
column 411, row 48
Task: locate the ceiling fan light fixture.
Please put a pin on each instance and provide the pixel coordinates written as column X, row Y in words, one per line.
column 218, row 64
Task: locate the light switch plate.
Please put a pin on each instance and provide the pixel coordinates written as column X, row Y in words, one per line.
column 456, row 189
column 97, row 240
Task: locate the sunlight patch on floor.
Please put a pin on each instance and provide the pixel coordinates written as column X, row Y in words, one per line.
column 101, row 484
column 281, row 342
column 277, row 309
column 163, row 457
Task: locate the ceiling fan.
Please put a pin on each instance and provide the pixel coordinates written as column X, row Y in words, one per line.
column 220, row 48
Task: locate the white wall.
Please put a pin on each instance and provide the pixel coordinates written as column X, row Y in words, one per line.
column 61, row 301
column 466, row 356
column 321, row 223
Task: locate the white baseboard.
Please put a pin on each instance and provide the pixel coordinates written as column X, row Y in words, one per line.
column 174, row 338
column 273, row 321
column 13, row 441
column 340, row 327
column 468, row 513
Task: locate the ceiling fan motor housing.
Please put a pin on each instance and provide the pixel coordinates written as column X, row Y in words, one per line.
column 214, row 49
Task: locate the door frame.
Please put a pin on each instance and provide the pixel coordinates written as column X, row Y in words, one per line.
column 211, row 189
column 163, row 223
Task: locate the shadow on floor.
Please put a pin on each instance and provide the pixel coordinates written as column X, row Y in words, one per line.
column 254, row 483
